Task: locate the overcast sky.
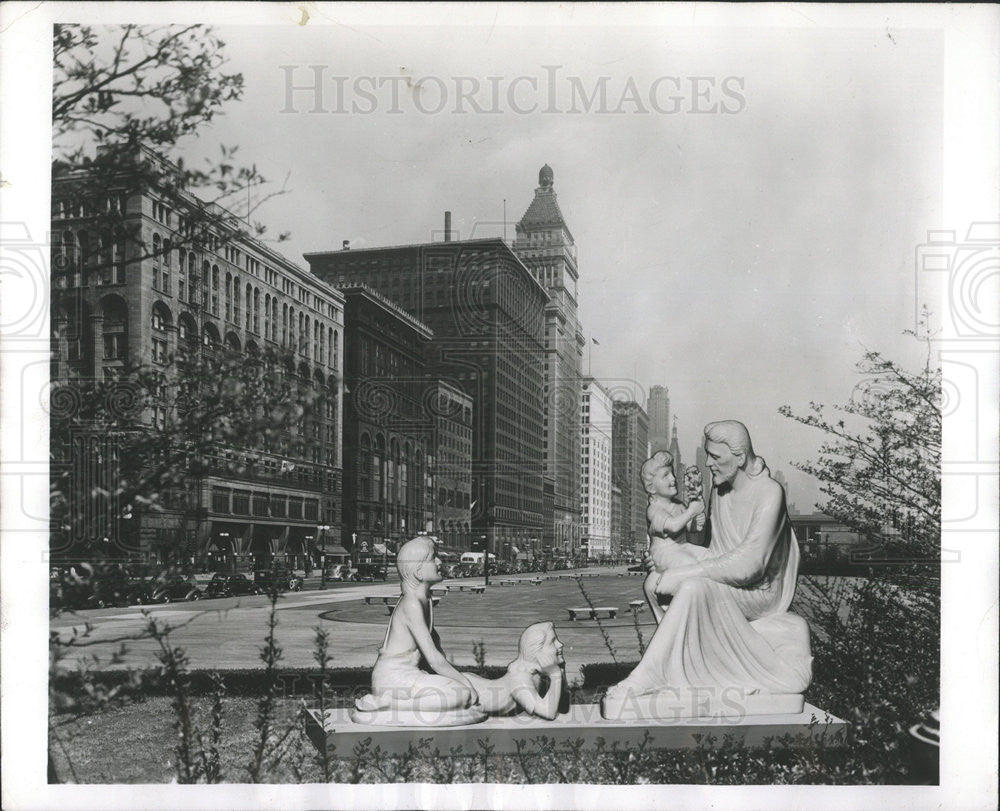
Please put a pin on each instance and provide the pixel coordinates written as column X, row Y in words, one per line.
column 746, row 203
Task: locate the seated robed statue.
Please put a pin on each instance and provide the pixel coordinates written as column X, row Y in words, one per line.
column 726, row 642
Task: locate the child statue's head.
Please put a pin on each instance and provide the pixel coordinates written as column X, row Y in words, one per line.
column 540, row 644
column 660, row 463
column 412, row 558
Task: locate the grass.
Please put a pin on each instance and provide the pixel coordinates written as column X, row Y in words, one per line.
column 134, row 743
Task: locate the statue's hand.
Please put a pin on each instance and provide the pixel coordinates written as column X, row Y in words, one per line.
column 669, row 582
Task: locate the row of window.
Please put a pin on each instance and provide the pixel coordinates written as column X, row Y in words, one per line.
column 260, row 504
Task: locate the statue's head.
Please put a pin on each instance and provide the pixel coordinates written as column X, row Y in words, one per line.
column 540, row 644
column 657, row 474
column 727, row 444
column 417, row 562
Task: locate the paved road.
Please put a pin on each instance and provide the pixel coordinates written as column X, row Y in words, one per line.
column 227, row 633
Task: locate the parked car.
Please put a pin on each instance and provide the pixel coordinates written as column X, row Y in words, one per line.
column 369, row 572
column 339, row 572
column 231, row 585
column 175, row 588
column 278, row 578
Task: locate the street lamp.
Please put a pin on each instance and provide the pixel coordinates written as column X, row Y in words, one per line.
column 322, row 528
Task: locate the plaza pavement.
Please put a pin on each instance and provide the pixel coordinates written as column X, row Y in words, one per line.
column 228, row 633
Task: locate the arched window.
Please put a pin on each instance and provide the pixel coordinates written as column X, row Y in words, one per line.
column 114, row 325
column 229, row 297
column 267, row 313
column 404, row 480
column 392, row 471
column 322, row 343
column 165, row 276
column 215, row 290
column 256, row 309
column 336, row 349
column 306, row 337
column 274, row 319
column 284, row 324
column 182, row 279
column 206, row 283
column 157, row 248
column 236, row 300
column 210, row 336
column 192, row 265
column 378, row 459
column 365, row 469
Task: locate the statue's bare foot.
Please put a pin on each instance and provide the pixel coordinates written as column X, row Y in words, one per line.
column 368, row 703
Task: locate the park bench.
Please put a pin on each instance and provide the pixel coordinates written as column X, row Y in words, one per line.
column 535, row 581
column 389, row 606
column 384, row 600
column 636, row 605
column 473, row 589
column 611, row 611
column 507, row 582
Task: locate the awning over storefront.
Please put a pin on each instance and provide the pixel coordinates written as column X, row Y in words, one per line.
column 336, row 551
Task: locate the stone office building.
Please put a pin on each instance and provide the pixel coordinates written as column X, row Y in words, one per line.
column 407, row 435
column 189, row 280
column 595, row 455
column 486, row 312
column 629, row 449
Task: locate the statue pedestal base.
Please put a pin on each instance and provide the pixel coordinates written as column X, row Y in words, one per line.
column 674, row 704
column 417, row 718
column 340, row 733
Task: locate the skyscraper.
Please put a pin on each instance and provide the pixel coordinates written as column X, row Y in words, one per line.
column 486, row 313
column 595, row 453
column 545, row 244
column 629, row 449
column 658, row 409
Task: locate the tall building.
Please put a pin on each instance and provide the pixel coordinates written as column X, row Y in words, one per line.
column 449, row 473
column 181, row 279
column 629, row 449
column 595, row 470
column 486, row 313
column 388, row 434
column 545, row 245
column 617, row 547
column 658, row 409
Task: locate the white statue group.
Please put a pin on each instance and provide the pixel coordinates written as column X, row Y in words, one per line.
column 725, row 641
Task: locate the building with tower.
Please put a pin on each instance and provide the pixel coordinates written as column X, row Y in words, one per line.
column 629, row 449
column 658, row 409
column 545, row 244
column 595, row 470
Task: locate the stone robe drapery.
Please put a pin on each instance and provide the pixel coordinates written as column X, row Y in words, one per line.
column 731, row 628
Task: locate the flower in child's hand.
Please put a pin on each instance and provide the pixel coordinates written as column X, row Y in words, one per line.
column 694, row 484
